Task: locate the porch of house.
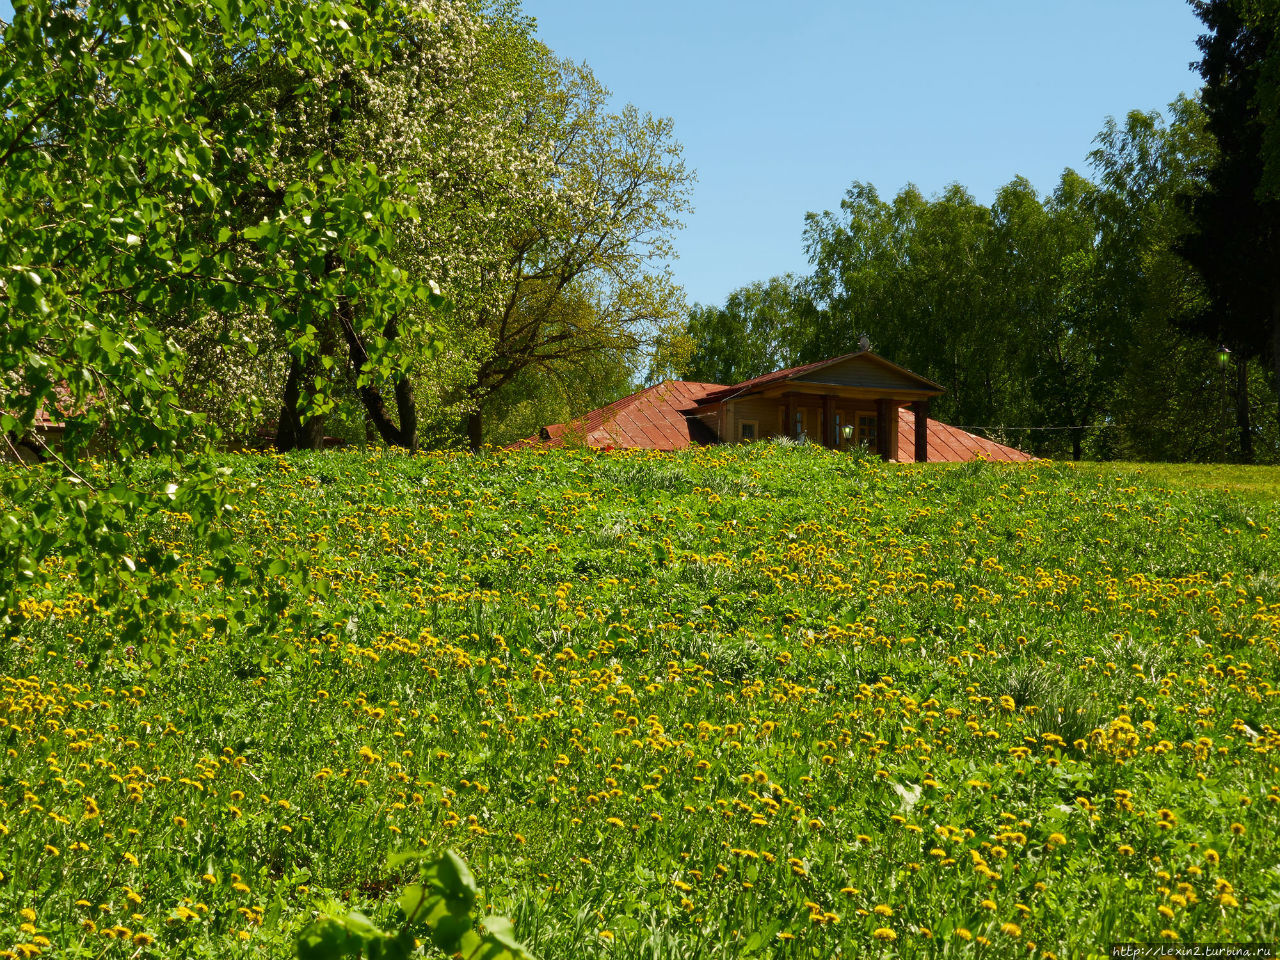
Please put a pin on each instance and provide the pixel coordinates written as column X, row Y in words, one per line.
column 837, row 419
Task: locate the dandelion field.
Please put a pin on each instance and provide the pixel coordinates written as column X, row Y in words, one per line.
column 738, row 702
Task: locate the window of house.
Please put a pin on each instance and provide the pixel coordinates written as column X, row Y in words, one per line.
column 749, row 430
column 867, row 431
column 799, row 425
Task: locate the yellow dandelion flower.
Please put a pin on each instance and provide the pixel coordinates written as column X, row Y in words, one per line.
column 884, row 933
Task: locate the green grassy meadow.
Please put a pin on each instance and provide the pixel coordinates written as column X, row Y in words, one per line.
column 1259, row 483
column 764, row 701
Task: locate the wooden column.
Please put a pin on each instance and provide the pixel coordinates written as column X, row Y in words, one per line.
column 829, row 421
column 921, row 409
column 790, row 430
column 884, row 409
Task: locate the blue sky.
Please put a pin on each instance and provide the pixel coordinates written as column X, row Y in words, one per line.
column 780, row 107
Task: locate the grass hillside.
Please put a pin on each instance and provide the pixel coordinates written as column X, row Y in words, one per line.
column 767, row 701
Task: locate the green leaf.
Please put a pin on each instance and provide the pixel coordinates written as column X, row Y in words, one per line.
column 455, row 878
column 413, row 901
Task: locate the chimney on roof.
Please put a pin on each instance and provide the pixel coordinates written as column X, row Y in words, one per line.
column 864, row 343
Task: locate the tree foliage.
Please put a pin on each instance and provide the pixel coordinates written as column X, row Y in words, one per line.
column 545, row 216
column 1235, row 243
column 130, row 206
column 586, row 275
column 756, row 331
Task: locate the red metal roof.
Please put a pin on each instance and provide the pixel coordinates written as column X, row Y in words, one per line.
column 950, row 444
column 667, row 417
column 661, row 417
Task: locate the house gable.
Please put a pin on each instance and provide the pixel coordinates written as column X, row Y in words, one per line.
column 867, row 371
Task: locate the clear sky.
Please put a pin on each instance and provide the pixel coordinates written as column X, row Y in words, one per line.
column 780, row 106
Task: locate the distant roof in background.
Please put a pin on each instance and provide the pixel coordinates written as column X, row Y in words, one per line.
column 667, row 417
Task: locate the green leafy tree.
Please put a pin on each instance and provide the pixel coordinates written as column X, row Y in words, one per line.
column 760, row 328
column 1044, row 270
column 1174, row 399
column 858, row 257
column 442, row 114
column 123, row 201
column 914, row 276
column 558, row 391
column 587, row 273
column 1235, row 244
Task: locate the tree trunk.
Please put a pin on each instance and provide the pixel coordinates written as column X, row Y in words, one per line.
column 1275, row 339
column 1242, row 410
column 475, row 429
column 406, row 434
column 408, row 411
column 1077, row 443
column 292, row 433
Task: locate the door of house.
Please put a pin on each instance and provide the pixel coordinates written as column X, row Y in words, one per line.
column 808, row 422
column 860, row 425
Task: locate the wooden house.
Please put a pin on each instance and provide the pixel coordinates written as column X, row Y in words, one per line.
column 856, row 400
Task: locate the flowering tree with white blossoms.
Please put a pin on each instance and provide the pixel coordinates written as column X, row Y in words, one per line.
column 545, row 218
column 588, row 276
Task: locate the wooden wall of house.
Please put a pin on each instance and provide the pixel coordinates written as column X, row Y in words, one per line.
column 763, row 411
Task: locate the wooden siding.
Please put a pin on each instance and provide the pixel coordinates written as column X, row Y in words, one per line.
column 860, row 372
column 762, row 411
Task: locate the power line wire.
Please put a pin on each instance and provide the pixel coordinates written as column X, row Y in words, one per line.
column 1083, row 426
